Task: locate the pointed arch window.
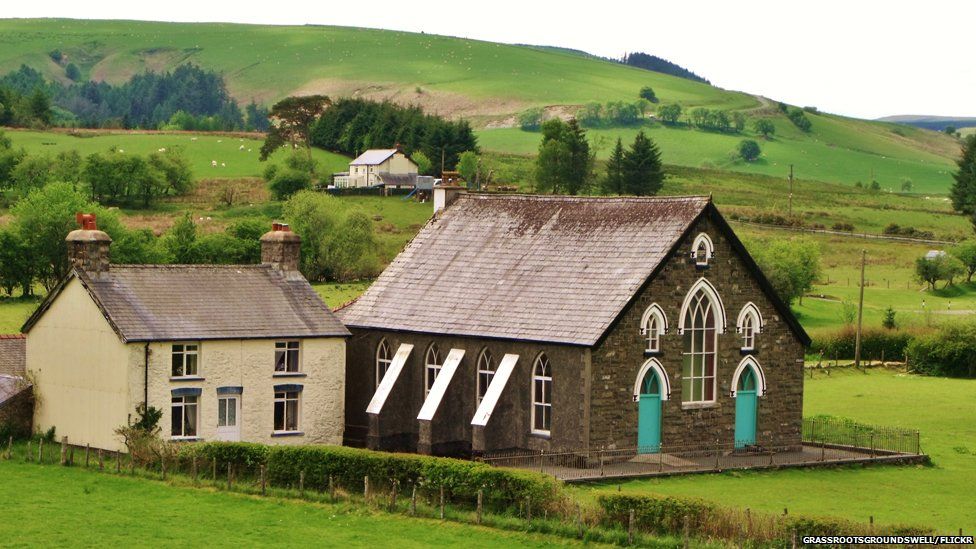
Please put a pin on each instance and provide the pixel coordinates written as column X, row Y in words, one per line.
column 749, row 323
column 432, row 366
column 486, row 372
column 383, row 360
column 702, row 250
column 700, row 331
column 542, row 395
column 653, row 324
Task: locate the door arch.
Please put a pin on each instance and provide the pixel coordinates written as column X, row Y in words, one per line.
column 746, row 407
column 650, row 390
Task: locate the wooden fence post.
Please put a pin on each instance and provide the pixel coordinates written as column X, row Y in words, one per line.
column 132, row 464
column 264, row 479
column 528, row 508
column 162, row 466
column 118, row 461
column 64, row 451
column 442, row 501
column 687, row 532
column 479, row 506
column 229, row 482
column 214, row 469
column 27, row 454
column 366, row 488
column 40, row 451
column 10, row 447
column 101, row 460
column 413, row 501
column 332, row 490
column 579, row 521
column 87, row 454
column 793, row 539
column 193, row 468
column 630, row 528
column 393, row 497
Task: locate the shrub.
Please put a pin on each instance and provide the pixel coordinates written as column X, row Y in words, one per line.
column 647, row 92
column 846, row 227
column 246, row 457
column 749, row 150
column 288, row 182
column 530, row 120
column 951, row 351
column 799, row 119
column 874, row 342
column 658, row 514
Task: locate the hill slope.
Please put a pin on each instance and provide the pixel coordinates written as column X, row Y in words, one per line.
column 485, row 82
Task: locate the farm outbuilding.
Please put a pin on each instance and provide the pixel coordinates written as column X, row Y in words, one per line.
column 566, row 323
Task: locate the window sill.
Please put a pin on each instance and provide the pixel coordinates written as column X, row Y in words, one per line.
column 699, row 405
column 289, row 374
column 745, row 351
column 185, row 439
column 175, row 379
column 288, row 434
column 648, row 354
column 541, row 434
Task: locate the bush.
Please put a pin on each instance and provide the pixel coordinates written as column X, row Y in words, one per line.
column 846, row 227
column 799, row 119
column 530, row 120
column 951, row 351
column 749, row 150
column 288, row 182
column 461, row 480
column 840, row 344
column 661, row 515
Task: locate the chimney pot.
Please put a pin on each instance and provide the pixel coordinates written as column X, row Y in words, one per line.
column 88, row 247
column 281, row 248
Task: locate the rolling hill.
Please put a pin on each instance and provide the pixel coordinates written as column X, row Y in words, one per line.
column 487, row 83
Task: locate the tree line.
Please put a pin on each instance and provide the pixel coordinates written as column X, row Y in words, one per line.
column 351, row 126
column 187, row 98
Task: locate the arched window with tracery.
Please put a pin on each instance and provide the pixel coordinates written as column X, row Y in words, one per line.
column 542, row 395
column 383, row 360
column 700, row 330
column 486, row 372
column 653, row 324
column 432, row 366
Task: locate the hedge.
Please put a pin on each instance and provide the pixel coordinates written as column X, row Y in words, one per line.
column 461, row 480
column 874, row 343
column 951, row 351
column 665, row 515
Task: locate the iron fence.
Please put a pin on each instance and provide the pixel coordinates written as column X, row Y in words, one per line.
column 825, row 440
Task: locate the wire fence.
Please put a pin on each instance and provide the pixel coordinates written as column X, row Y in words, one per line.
column 825, row 441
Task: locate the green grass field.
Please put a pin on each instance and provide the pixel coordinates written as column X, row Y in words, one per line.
column 200, row 149
column 938, row 496
column 484, row 82
column 59, row 507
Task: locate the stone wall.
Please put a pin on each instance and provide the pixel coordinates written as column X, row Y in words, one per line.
column 451, row 431
column 619, row 357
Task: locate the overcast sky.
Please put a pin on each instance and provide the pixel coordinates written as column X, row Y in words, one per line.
column 862, row 58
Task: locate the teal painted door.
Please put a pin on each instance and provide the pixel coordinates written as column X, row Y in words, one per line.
column 649, row 416
column 746, row 403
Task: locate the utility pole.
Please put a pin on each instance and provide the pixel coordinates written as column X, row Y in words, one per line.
column 791, row 191
column 860, row 315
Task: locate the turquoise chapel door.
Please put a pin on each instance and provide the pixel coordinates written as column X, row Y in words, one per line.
column 746, row 403
column 649, row 415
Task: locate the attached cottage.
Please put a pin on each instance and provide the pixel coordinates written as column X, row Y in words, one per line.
column 379, row 167
column 235, row 352
column 566, row 323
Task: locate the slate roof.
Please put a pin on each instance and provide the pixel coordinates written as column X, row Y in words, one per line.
column 11, row 386
column 398, row 179
column 373, row 157
column 13, row 354
column 199, row 302
column 537, row 268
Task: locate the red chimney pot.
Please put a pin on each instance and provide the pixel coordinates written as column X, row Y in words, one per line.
column 86, row 221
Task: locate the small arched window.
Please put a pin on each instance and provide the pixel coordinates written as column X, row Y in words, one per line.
column 653, row 324
column 486, row 372
column 383, row 360
column 749, row 324
column 432, row 367
column 542, row 395
column 702, row 250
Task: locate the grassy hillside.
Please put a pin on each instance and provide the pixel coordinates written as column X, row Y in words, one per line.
column 485, row 82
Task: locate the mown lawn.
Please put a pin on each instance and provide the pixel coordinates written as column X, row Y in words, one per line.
column 69, row 507
column 940, row 496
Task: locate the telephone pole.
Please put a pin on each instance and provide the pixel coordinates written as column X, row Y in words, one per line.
column 860, row 315
column 791, row 191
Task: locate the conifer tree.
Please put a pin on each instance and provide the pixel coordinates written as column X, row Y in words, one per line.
column 643, row 174
column 963, row 191
column 614, row 183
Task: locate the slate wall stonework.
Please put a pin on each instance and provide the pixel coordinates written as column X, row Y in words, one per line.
column 451, row 430
column 619, row 357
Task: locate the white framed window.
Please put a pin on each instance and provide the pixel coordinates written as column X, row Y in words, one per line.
column 653, row 324
column 184, row 414
column 287, row 356
column 542, row 395
column 227, row 411
column 748, row 325
column 486, row 372
column 383, row 360
column 700, row 343
column 185, row 358
column 702, row 249
column 432, row 366
column 287, row 407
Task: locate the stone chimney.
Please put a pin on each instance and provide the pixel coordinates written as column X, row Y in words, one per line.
column 445, row 195
column 281, row 248
column 88, row 248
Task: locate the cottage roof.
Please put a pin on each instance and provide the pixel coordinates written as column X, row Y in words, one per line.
column 198, row 302
column 538, row 268
column 13, row 354
column 11, row 386
column 373, row 157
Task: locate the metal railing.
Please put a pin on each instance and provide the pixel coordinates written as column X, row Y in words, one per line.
column 825, row 440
